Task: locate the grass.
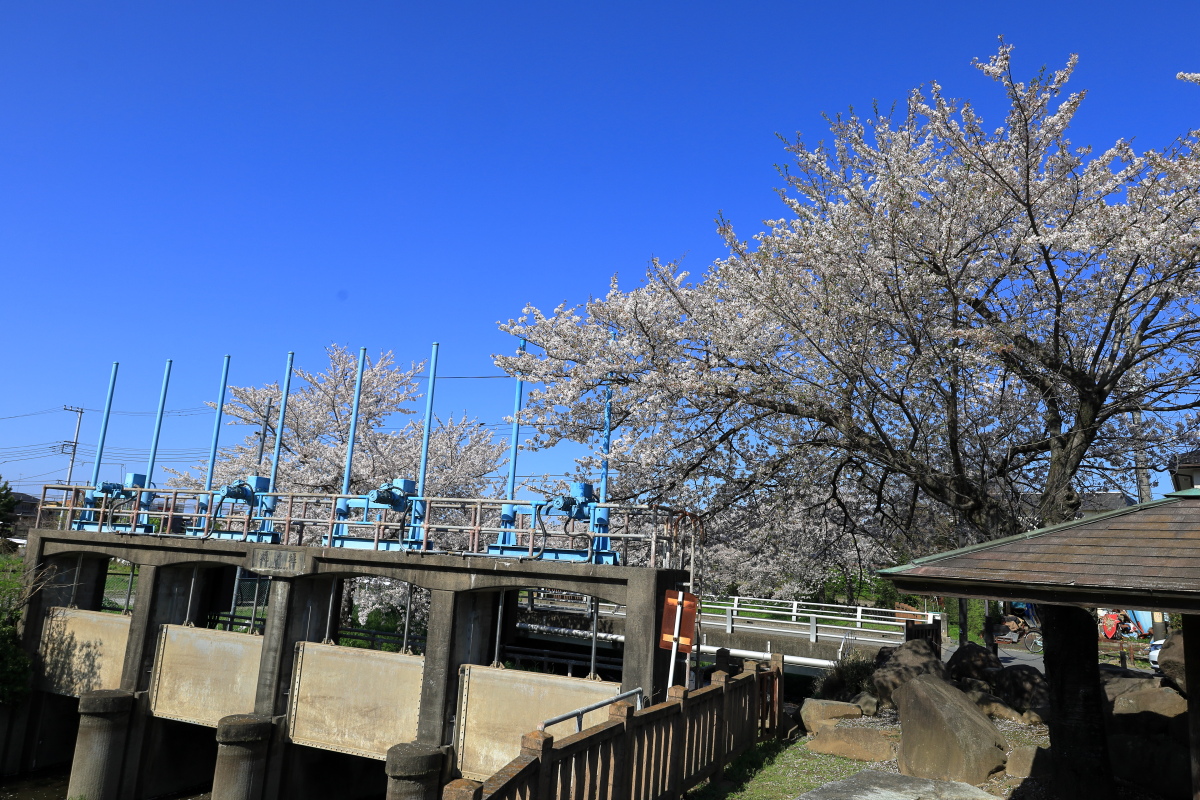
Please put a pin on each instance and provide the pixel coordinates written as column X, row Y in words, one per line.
column 777, row 771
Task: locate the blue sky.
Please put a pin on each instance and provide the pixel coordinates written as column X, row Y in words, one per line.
column 183, row 180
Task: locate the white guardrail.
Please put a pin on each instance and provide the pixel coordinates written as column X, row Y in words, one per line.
column 789, row 618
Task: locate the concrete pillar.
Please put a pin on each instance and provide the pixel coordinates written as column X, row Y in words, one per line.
column 413, row 771
column 241, row 756
column 440, row 672
column 100, row 746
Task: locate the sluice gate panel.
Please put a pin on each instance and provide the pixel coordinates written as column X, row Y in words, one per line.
column 202, row 675
column 354, row 700
column 497, row 706
column 81, row 650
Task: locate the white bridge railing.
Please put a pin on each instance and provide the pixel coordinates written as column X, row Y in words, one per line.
column 784, row 618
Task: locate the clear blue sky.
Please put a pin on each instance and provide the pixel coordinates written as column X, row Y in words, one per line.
column 188, row 179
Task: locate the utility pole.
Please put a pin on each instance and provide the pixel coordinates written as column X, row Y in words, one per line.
column 75, row 441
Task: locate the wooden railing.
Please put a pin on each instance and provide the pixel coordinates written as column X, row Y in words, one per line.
column 657, row 753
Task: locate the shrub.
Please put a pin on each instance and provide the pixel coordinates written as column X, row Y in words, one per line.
column 850, row 675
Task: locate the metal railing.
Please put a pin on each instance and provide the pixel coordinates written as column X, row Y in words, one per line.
column 641, row 534
column 578, row 713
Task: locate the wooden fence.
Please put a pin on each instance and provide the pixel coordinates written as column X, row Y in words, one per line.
column 657, row 753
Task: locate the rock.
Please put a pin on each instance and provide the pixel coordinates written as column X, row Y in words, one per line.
column 1029, row 761
column 882, row 655
column 910, row 660
column 1170, row 661
column 817, row 713
column 1157, row 763
column 789, row 721
column 944, row 736
column 1149, row 711
column 1116, row 685
column 859, row 744
column 994, row 707
column 889, row 786
column 974, row 685
column 867, row 702
column 1036, row 716
column 1022, row 687
column 972, row 661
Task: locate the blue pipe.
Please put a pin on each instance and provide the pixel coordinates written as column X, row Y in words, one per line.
column 216, row 436
column 158, row 419
column 287, row 385
column 112, row 385
column 343, row 506
column 419, row 506
column 599, row 521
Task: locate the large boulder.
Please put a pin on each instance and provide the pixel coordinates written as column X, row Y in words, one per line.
column 907, row 662
column 943, row 735
column 1158, row 763
column 1150, row 711
column 816, row 714
column 1023, row 687
column 883, row 785
column 859, row 744
column 1170, row 661
column 973, row 661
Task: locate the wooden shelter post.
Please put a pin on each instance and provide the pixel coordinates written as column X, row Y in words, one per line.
column 1191, row 665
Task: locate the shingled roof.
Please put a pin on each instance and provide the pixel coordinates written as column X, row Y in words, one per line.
column 1144, row 556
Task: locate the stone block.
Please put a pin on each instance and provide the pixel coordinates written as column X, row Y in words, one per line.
column 867, row 702
column 1029, row 761
column 1170, row 661
column 1147, row 711
column 907, row 662
column 944, row 736
column 859, row 744
column 890, row 786
column 818, row 713
column 972, row 661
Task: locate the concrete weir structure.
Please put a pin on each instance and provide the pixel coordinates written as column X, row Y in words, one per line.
column 154, row 701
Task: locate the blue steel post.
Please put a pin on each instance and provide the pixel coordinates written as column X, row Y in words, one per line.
column 600, row 515
column 343, row 508
column 216, row 436
column 158, row 418
column 112, row 385
column 283, row 398
column 508, row 513
column 418, row 524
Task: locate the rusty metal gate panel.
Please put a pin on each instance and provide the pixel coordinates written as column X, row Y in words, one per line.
column 496, row 707
column 202, row 675
column 82, row 650
column 354, row 700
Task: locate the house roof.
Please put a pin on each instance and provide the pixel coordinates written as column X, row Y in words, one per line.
column 1143, row 556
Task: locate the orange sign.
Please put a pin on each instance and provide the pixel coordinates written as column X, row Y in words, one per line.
column 682, row 614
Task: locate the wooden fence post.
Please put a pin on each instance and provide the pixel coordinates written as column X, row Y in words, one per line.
column 777, row 694
column 622, row 712
column 462, row 789
column 539, row 744
column 677, row 758
column 721, row 750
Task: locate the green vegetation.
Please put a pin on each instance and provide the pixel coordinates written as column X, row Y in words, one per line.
column 850, row 675
column 776, row 771
column 15, row 666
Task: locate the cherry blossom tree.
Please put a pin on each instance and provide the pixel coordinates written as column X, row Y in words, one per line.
column 951, row 317
column 463, row 455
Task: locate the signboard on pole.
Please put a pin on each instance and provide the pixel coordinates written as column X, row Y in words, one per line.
column 679, row 622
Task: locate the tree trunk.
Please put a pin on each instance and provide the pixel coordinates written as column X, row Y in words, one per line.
column 1078, row 741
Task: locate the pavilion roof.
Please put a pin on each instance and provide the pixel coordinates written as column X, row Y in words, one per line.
column 1144, row 556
